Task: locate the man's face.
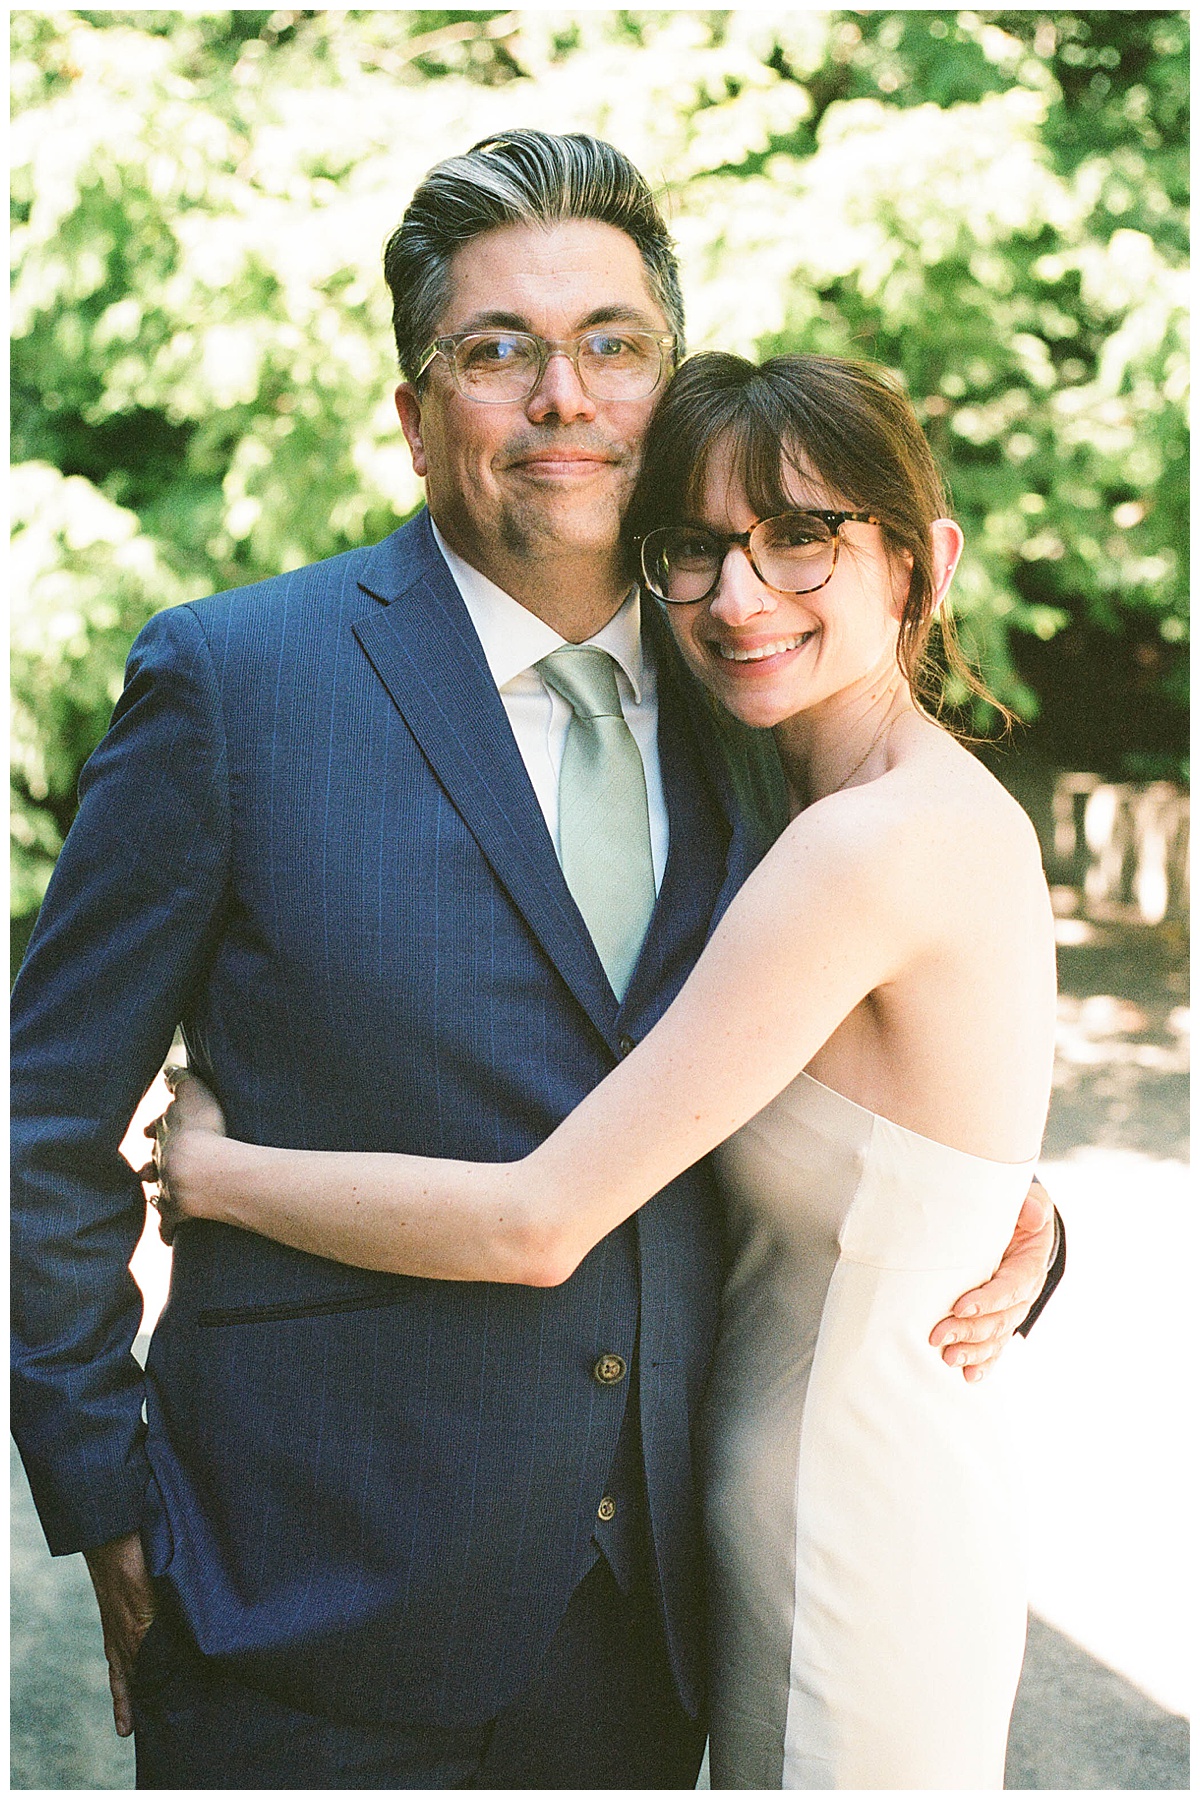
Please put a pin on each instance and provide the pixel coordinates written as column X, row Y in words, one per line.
column 550, row 476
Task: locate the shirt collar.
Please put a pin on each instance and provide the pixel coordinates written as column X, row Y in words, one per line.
column 514, row 639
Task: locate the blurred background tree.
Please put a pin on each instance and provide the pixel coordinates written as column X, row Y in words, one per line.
column 990, row 203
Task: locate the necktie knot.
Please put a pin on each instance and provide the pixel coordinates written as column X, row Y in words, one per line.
column 586, row 678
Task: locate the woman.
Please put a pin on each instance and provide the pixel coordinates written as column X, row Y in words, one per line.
column 868, row 1037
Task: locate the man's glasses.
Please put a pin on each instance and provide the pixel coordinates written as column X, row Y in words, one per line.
column 497, row 366
column 795, row 553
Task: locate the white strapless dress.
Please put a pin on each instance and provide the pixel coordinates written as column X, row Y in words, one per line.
column 866, row 1572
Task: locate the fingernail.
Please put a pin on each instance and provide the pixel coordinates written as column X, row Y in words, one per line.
column 951, row 1337
column 968, row 1311
column 961, row 1358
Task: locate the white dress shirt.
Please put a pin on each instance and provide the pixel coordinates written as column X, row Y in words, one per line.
column 513, row 640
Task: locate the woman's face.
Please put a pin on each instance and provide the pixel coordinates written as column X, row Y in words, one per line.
column 768, row 655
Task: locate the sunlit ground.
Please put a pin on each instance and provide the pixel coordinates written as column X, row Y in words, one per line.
column 1106, row 1415
column 1102, row 1391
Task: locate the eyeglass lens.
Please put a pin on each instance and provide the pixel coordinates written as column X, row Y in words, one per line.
column 506, row 365
column 793, row 553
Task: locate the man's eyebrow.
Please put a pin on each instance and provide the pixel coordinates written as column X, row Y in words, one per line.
column 493, row 321
column 616, row 313
column 619, row 314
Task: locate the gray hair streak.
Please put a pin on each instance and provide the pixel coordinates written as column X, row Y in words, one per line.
column 520, row 177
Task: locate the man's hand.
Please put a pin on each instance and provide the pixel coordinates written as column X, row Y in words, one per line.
column 122, row 1584
column 983, row 1320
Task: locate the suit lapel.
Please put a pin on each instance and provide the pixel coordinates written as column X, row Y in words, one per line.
column 424, row 649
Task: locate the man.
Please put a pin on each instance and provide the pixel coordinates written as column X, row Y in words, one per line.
column 395, row 1533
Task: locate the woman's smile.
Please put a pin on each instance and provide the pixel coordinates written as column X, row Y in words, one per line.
column 752, row 656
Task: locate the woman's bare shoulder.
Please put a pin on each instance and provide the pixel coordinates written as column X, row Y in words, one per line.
column 974, row 800
column 935, row 808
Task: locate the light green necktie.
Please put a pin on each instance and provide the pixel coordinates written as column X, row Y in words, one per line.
column 603, row 817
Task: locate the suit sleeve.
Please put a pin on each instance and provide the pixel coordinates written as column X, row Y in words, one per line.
column 123, row 934
column 1054, row 1274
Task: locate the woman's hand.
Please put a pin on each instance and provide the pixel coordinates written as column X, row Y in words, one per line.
column 180, row 1134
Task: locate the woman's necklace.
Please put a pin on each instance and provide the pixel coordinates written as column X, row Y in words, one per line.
column 885, row 724
column 846, row 780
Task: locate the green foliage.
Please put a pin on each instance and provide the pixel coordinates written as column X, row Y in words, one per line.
column 84, row 580
column 992, row 204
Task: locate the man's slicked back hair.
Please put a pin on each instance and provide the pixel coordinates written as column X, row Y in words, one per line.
column 521, row 177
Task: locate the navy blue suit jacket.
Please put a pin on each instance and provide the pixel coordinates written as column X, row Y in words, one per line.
column 309, row 836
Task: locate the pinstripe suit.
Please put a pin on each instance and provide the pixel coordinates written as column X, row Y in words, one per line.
column 309, row 836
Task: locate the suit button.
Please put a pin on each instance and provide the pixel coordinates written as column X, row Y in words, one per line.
column 609, row 1368
column 625, row 1043
column 607, row 1509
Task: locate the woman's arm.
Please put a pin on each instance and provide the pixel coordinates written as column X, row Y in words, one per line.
column 409, row 1215
column 838, row 907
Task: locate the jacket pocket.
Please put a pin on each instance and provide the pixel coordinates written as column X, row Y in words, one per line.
column 309, row 1309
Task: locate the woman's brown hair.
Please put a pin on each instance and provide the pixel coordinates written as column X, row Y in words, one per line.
column 845, row 423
